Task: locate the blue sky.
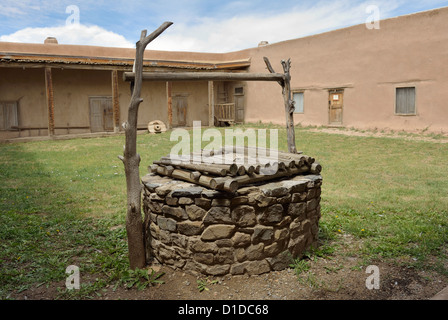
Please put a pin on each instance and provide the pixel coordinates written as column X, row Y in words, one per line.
column 199, row 25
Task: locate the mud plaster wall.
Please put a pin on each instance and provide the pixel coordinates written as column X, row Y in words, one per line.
column 257, row 230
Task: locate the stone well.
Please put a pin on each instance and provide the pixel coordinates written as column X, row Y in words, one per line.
column 255, row 230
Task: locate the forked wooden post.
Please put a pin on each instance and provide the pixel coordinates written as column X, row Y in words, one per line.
column 289, row 102
column 131, row 159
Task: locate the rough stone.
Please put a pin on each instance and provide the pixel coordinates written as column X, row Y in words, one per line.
column 176, row 212
column 262, row 234
column 299, row 197
column 179, row 240
column 195, row 212
column 239, row 200
column 185, row 200
column 271, row 215
column 203, row 203
column 218, row 215
column 206, row 258
column 297, row 209
column 190, row 228
column 222, row 202
column 187, row 192
column 254, row 252
column 166, row 223
column 297, row 245
column 224, row 255
column 238, row 268
column 264, row 201
column 217, row 231
column 171, row 201
column 284, row 200
column 244, row 216
column 217, row 270
column 274, row 190
column 311, row 204
column 280, row 261
column 200, row 246
column 257, row 267
column 241, row 239
column 154, row 206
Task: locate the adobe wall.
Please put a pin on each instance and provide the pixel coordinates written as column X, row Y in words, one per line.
column 369, row 64
column 257, row 230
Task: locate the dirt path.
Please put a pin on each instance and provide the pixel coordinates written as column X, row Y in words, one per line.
column 335, row 277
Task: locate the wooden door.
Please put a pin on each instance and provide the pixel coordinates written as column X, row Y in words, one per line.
column 101, row 114
column 180, row 106
column 238, row 99
column 336, row 103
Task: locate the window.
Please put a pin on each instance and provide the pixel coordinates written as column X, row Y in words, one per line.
column 8, row 115
column 239, row 90
column 405, row 101
column 298, row 99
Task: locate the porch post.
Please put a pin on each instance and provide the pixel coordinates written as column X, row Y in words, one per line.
column 211, row 104
column 50, row 100
column 115, row 102
column 169, row 100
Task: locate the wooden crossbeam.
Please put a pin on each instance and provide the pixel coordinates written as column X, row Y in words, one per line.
column 205, row 76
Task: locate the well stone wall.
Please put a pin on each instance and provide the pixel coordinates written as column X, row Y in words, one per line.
column 258, row 229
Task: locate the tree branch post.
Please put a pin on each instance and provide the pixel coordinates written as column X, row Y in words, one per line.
column 131, row 159
column 289, row 102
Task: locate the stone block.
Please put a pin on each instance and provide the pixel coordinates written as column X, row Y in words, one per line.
column 221, row 202
column 274, row 190
column 224, row 255
column 264, row 201
column 254, row 252
column 262, row 234
column 185, row 200
column 195, row 212
column 179, row 240
column 257, row 267
column 218, row 215
column 238, row 268
column 171, row 201
column 297, row 209
column 271, row 215
column 284, row 200
column 241, row 239
column 197, row 245
column 298, row 197
column 205, row 258
column 217, row 231
column 217, row 270
column 187, row 192
column 166, row 223
column 203, row 203
column 239, row 200
column 297, row 245
column 280, row 261
column 244, row 216
column 176, row 212
column 311, row 204
column 190, row 228
column 154, row 206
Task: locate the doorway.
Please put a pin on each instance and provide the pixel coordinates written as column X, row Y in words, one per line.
column 101, row 114
column 238, row 98
column 335, row 106
column 180, row 105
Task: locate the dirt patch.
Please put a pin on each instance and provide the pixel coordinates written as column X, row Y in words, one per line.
column 340, row 276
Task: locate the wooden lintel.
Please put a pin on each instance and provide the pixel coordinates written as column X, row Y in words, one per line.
column 205, row 76
column 50, row 100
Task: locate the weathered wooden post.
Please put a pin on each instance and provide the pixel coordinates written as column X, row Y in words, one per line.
column 131, row 159
column 289, row 102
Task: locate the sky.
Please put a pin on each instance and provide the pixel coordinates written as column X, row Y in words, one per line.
column 199, row 25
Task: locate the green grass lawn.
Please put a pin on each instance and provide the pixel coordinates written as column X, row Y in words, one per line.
column 63, row 203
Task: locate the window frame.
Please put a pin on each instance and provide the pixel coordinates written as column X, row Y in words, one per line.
column 415, row 101
column 303, row 100
column 4, row 126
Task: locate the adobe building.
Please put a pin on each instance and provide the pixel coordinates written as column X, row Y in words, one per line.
column 394, row 77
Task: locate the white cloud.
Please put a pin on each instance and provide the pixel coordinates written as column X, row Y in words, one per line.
column 70, row 34
column 245, row 31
